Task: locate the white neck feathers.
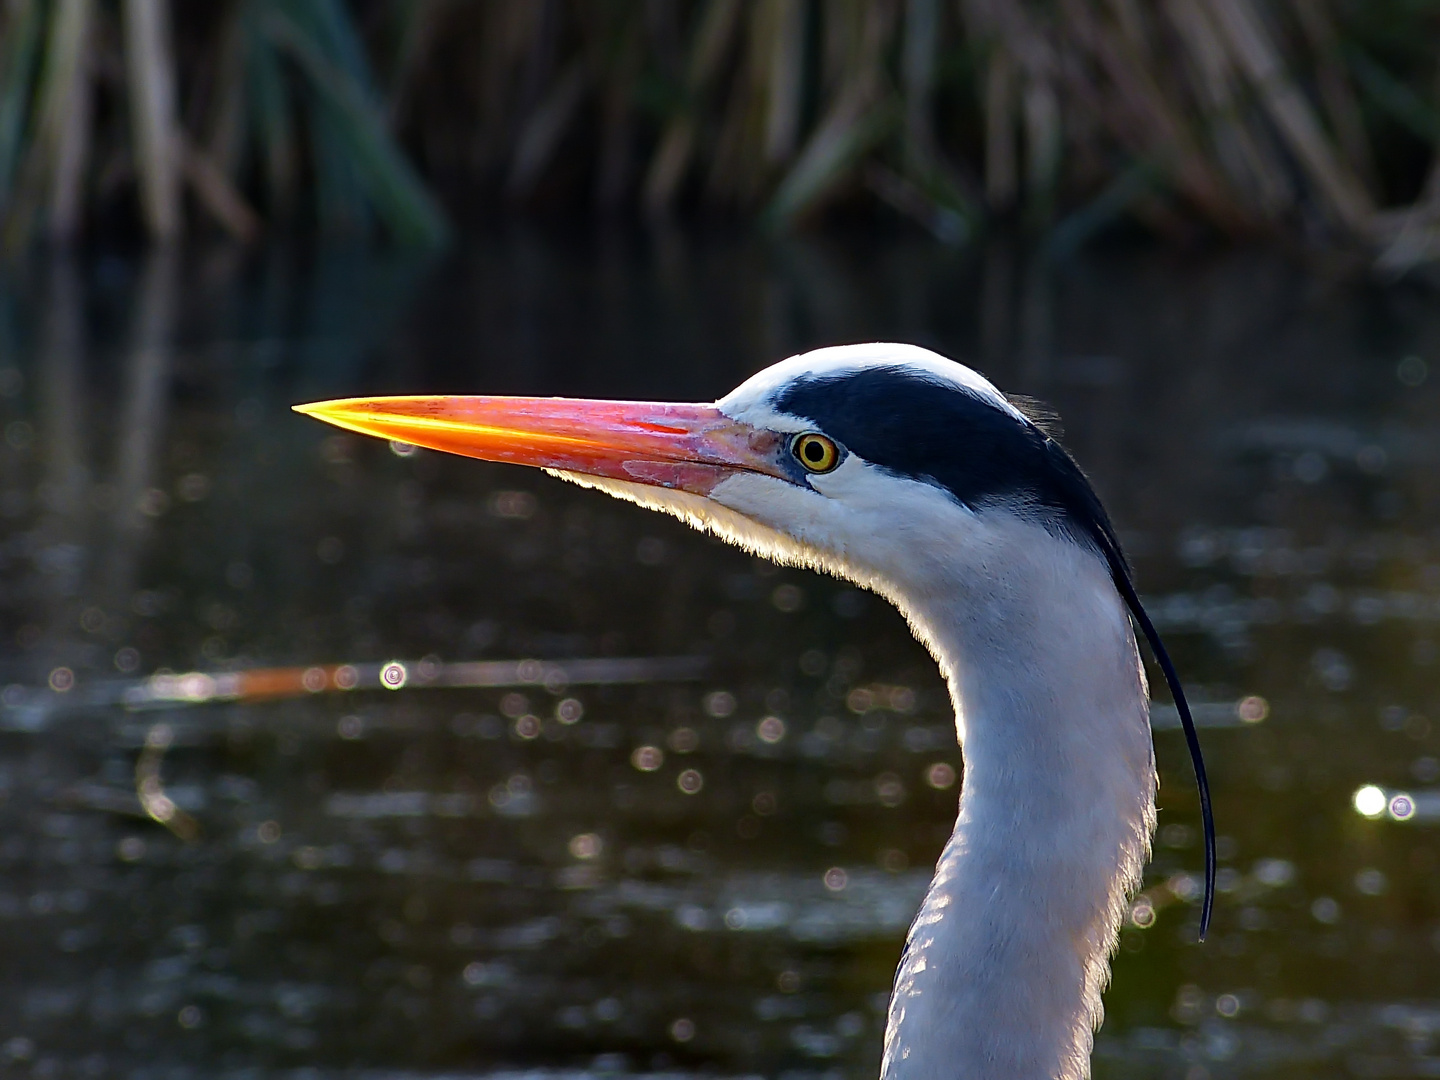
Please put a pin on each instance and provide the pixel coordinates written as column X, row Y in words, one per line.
column 1006, row 961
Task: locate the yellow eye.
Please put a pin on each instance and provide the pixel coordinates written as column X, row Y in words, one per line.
column 815, row 452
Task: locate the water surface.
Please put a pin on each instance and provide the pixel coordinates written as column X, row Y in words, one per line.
column 697, row 851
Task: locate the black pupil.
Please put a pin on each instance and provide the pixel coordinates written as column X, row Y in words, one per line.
column 814, row 451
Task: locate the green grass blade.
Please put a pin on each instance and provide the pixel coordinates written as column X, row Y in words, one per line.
column 394, row 189
column 270, row 110
column 1394, row 97
column 340, row 201
column 333, row 32
column 827, row 160
column 64, row 131
column 19, row 54
column 1076, row 230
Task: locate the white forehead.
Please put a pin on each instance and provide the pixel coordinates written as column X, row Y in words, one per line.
column 750, row 402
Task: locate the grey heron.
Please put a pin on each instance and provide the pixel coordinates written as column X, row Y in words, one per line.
column 911, row 475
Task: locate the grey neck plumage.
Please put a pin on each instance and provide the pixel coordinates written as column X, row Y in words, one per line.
column 1005, row 963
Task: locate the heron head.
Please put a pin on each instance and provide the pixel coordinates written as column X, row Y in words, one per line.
column 860, row 459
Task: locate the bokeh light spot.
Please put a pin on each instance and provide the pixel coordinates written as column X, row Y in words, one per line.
column 770, row 730
column 1253, row 709
column 719, row 704
column 1142, row 913
column 586, row 846
column 1370, row 801
column 1325, row 909
column 940, row 776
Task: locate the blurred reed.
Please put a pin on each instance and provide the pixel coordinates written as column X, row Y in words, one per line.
column 241, row 105
column 1316, row 119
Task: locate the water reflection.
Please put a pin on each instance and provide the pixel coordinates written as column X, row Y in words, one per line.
column 219, row 853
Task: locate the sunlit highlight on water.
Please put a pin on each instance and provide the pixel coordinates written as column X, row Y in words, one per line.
column 1370, row 801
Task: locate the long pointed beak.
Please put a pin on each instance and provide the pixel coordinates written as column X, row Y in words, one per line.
column 688, row 447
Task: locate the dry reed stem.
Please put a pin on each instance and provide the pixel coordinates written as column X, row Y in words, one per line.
column 617, row 118
column 1010, row 24
column 1430, row 193
column 1001, row 170
column 1407, row 238
column 1246, row 156
column 919, row 49
column 542, row 131
column 766, row 103
column 1041, row 109
column 1132, row 26
column 151, row 72
column 422, row 31
column 1337, row 93
column 786, row 19
column 856, row 121
column 713, row 35
column 217, row 194
column 62, row 147
column 1147, row 121
column 1343, row 194
column 225, row 127
column 1015, row 46
column 736, row 170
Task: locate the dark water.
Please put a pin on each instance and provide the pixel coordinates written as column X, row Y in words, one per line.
column 697, row 852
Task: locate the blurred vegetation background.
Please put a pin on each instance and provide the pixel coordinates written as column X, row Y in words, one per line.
column 1312, row 120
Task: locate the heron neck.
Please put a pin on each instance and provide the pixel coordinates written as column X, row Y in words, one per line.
column 1006, row 960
